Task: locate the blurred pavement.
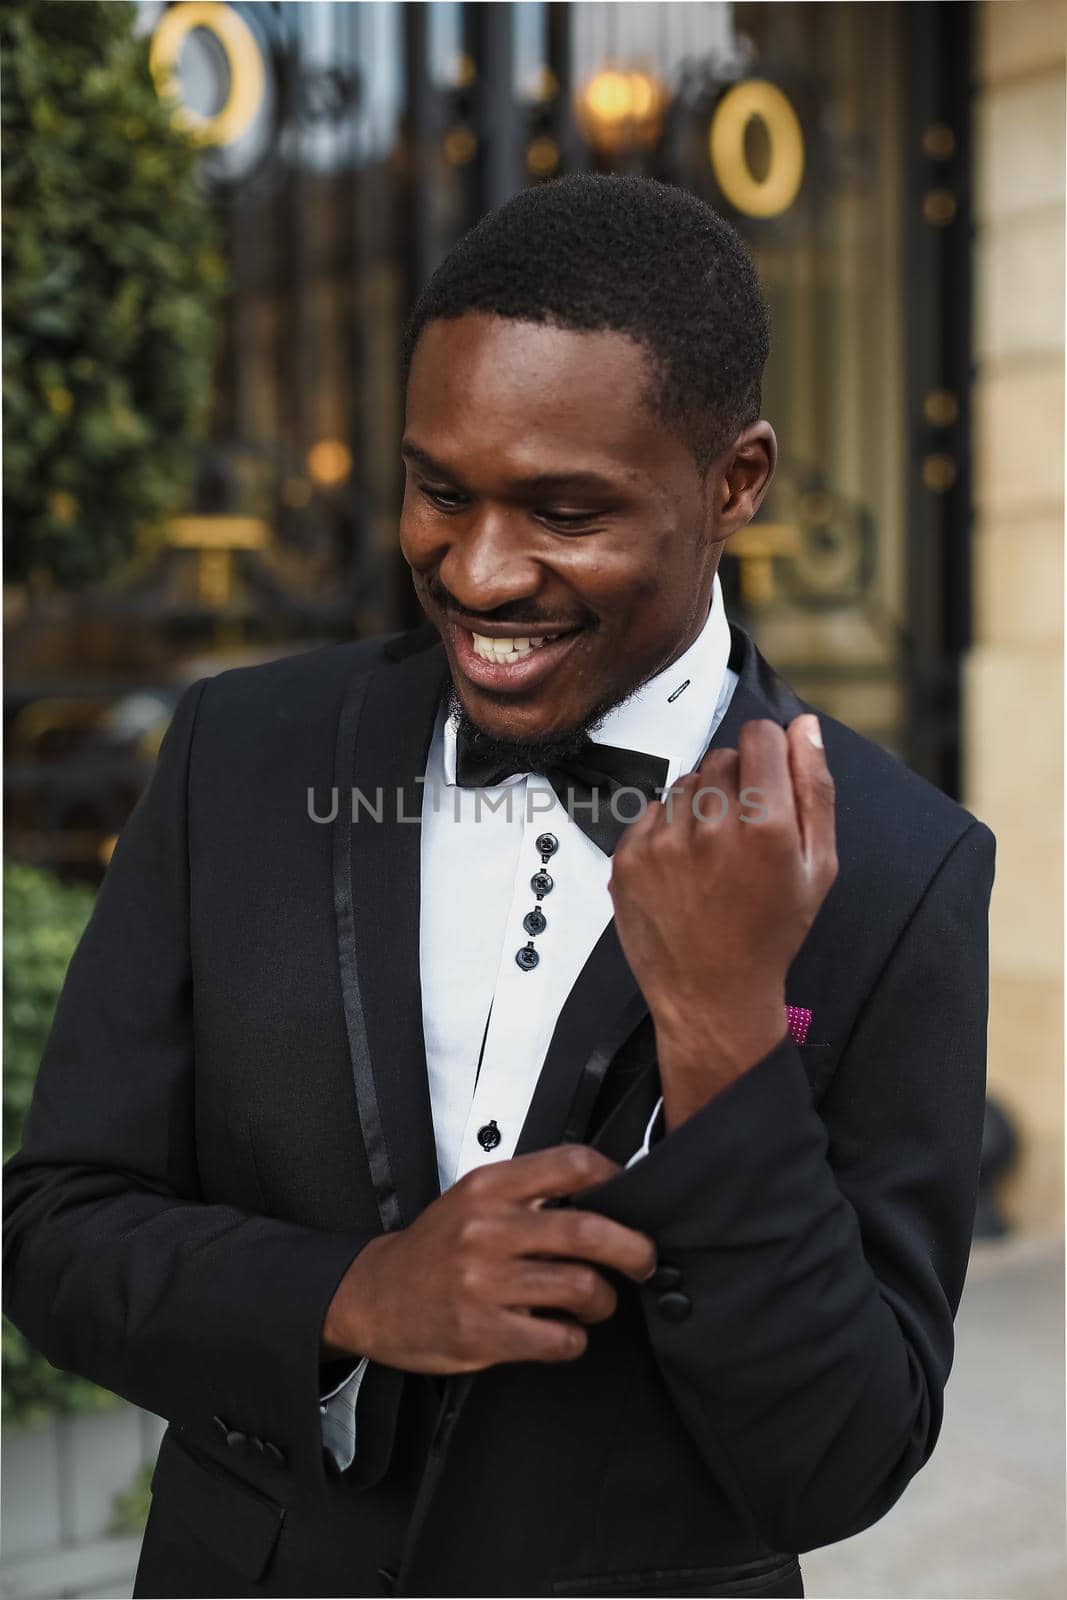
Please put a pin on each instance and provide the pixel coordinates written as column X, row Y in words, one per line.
column 986, row 1516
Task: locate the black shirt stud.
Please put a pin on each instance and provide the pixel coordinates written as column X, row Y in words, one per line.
column 489, row 1136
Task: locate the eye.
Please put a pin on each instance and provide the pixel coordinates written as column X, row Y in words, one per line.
column 568, row 521
column 443, row 499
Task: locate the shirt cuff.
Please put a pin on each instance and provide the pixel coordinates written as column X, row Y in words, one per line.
column 647, row 1140
column 337, row 1412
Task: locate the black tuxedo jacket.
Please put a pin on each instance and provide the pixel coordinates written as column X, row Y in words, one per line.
column 234, row 1100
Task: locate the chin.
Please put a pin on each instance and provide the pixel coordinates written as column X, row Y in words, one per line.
column 532, row 737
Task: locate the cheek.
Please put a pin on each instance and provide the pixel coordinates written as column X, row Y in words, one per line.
column 415, row 545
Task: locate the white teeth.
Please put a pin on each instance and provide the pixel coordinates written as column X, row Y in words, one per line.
column 506, row 650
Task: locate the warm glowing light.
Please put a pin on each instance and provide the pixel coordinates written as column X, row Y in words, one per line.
column 329, row 462
column 462, row 71
column 542, row 156
column 460, row 146
column 542, row 84
column 620, row 110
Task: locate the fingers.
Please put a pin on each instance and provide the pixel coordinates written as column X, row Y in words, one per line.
column 542, row 1174
column 813, row 788
column 564, row 1286
column 764, row 775
column 586, row 1236
column 526, row 1338
column 712, row 790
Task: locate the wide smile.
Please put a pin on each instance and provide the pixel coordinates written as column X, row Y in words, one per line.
column 510, row 663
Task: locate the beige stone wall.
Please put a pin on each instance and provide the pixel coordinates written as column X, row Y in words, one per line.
column 1014, row 675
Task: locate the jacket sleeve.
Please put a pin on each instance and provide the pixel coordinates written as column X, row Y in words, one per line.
column 820, row 1256
column 116, row 1267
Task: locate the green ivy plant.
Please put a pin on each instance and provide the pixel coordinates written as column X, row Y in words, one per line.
column 43, row 921
column 111, row 277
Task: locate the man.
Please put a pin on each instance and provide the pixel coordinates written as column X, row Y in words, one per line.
column 532, row 1201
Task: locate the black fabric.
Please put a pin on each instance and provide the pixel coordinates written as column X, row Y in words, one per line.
column 588, row 786
column 233, row 1101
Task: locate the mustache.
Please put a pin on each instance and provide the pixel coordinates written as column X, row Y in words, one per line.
column 516, row 612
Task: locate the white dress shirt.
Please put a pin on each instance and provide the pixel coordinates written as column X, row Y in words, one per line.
column 487, row 1022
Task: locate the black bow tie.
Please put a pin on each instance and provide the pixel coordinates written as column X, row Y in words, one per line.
column 585, row 785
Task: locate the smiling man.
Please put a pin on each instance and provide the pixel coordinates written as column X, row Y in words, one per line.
column 553, row 1172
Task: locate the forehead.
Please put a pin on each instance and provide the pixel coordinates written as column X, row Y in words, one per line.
column 527, row 397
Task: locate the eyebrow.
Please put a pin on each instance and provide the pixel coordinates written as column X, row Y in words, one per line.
column 538, row 483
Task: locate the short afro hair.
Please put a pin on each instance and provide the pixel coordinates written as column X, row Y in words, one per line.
column 593, row 252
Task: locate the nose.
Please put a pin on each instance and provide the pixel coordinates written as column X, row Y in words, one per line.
column 487, row 562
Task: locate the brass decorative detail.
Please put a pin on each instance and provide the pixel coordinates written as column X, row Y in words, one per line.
column 939, row 207
column 941, row 408
column 774, row 193
column 244, row 64
column 939, row 472
column 939, row 141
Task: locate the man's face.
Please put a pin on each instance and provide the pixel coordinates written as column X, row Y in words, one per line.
column 546, row 502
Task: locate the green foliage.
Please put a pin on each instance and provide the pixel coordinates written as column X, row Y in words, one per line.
column 111, row 276
column 130, row 1508
column 43, row 920
column 33, row 1389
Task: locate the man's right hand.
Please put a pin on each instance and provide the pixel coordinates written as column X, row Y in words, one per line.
column 454, row 1292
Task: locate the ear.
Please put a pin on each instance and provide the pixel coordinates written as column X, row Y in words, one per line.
column 743, row 477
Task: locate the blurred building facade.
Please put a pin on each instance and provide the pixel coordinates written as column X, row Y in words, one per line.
column 1013, row 683
column 894, row 169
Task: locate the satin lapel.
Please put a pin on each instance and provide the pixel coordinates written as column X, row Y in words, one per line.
column 606, row 1005
column 383, row 736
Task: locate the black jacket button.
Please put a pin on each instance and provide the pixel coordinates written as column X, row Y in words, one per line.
column 221, row 1425
column 665, row 1276
column 235, row 1439
column 274, row 1453
column 674, row 1305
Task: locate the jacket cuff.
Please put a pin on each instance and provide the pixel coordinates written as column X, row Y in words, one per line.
column 744, row 1124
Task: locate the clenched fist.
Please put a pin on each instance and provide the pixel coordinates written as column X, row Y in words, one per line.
column 454, row 1292
column 715, row 888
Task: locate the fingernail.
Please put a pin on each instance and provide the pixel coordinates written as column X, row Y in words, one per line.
column 813, row 731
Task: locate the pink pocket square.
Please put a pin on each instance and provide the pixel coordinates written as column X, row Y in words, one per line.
column 798, row 1021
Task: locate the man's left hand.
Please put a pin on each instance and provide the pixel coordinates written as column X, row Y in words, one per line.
column 715, row 888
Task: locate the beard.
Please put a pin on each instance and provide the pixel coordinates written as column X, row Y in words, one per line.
column 531, row 755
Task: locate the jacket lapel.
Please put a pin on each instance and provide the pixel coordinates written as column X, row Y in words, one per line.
column 606, row 1007
column 384, row 733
